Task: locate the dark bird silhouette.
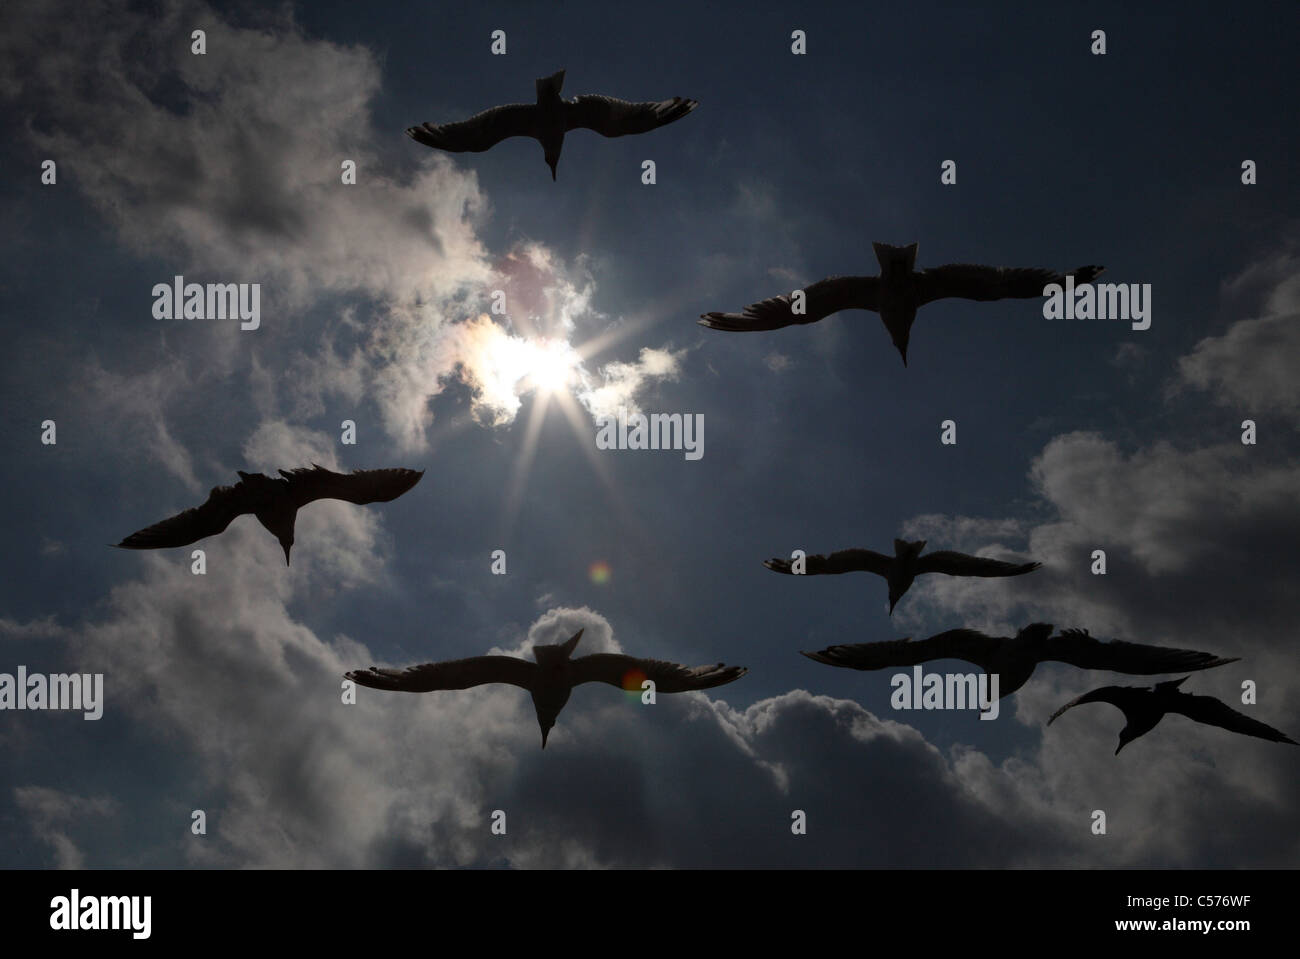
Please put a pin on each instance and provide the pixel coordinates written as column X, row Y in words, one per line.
column 551, row 679
column 1145, row 706
column 549, row 119
column 896, row 294
column 274, row 501
column 904, row 566
column 1013, row 658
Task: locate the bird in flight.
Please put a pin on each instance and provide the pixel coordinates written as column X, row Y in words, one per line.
column 904, row 566
column 551, row 679
column 1145, row 706
column 274, row 501
column 549, row 119
column 1013, row 658
column 895, row 294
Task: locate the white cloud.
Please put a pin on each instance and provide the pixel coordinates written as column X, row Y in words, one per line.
column 137, row 406
column 624, row 382
column 777, row 362
column 239, row 181
column 1252, row 365
column 54, row 814
column 1201, row 555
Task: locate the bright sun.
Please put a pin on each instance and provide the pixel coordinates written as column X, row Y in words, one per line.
column 551, row 365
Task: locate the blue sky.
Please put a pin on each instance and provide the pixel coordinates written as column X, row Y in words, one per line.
column 222, row 690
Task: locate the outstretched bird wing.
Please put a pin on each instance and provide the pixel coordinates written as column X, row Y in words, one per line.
column 959, row 564
column 1207, row 709
column 972, row 282
column 1125, row 697
column 481, row 131
column 843, row 561
column 452, row 674
column 359, row 486
column 821, row 299
column 965, row 644
column 611, row 117
column 1076, row 647
column 628, row 672
column 224, row 503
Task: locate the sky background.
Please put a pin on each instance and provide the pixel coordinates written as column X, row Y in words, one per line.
column 223, row 691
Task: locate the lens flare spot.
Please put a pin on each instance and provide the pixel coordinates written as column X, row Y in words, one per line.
column 599, row 572
column 632, row 681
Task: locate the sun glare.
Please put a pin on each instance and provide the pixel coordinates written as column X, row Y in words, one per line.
column 551, row 365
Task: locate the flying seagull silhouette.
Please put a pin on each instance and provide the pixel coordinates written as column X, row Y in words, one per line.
column 274, row 501
column 896, row 294
column 904, row 566
column 549, row 119
column 1013, row 658
column 552, row 678
column 1145, row 706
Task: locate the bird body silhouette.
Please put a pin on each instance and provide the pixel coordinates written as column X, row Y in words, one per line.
column 1145, row 706
column 549, row 119
column 275, row 502
column 904, row 566
column 551, row 679
column 895, row 294
column 1014, row 658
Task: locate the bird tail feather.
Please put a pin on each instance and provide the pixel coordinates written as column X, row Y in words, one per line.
column 549, row 87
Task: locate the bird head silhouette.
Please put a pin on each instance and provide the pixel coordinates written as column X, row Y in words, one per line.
column 553, row 686
column 900, row 344
column 1125, row 737
column 549, row 699
column 283, row 530
column 548, row 98
column 1036, row 633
